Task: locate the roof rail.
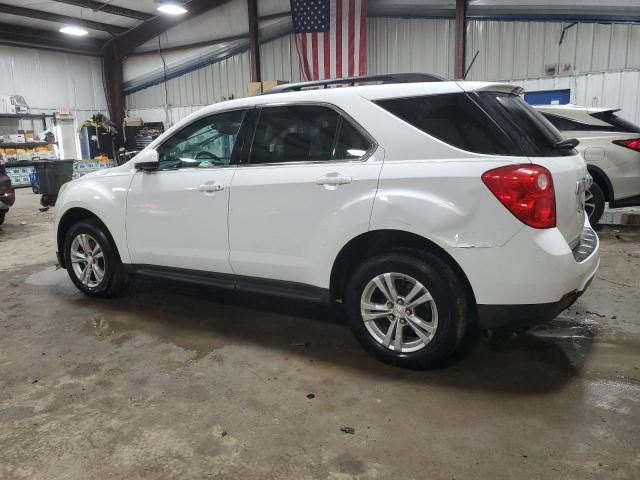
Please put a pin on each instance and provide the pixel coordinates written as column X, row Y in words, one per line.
column 351, row 81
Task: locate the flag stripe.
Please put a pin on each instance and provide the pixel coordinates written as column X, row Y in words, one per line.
column 314, row 55
column 304, row 58
column 327, row 55
column 363, row 37
column 338, row 44
column 352, row 20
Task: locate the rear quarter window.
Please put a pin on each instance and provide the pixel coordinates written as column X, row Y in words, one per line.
column 454, row 119
column 490, row 123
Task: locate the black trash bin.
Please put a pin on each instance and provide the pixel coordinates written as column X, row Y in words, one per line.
column 51, row 175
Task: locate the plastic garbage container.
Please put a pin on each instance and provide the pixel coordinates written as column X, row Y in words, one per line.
column 52, row 174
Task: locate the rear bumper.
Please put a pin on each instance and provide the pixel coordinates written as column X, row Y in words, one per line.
column 7, row 201
column 514, row 316
column 531, row 278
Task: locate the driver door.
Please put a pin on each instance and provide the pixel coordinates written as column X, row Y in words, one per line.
column 177, row 214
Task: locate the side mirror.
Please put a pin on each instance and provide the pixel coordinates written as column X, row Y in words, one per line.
column 146, row 160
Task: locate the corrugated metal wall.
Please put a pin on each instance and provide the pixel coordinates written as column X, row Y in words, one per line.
column 279, row 60
column 613, row 89
column 525, row 49
column 508, row 50
column 212, row 83
column 48, row 80
column 410, row 45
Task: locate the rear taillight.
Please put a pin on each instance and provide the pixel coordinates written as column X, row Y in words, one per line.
column 9, row 191
column 527, row 192
column 632, row 143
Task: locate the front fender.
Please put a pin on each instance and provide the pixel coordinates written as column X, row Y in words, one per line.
column 106, row 198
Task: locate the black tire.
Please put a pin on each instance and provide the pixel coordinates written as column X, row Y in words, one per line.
column 597, row 200
column 448, row 295
column 3, row 215
column 115, row 277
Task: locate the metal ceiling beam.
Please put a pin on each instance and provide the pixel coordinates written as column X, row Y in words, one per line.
column 460, row 37
column 55, row 17
column 106, row 8
column 205, row 43
column 47, row 40
column 128, row 42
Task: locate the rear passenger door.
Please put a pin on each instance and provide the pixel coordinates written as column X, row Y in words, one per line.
column 306, row 182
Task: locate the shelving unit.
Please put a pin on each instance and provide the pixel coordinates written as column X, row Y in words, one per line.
column 20, row 170
column 26, row 144
column 30, row 116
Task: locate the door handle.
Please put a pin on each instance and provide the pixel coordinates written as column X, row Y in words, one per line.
column 333, row 180
column 210, row 187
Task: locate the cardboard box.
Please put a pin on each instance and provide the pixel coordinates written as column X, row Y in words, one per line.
column 256, row 88
column 29, row 135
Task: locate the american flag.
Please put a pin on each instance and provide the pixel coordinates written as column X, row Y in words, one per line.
column 331, row 37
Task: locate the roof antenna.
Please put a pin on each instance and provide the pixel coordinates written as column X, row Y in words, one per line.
column 464, row 77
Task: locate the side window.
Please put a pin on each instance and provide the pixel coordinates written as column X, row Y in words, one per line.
column 454, row 119
column 616, row 124
column 564, row 124
column 205, row 143
column 296, row 133
column 351, row 143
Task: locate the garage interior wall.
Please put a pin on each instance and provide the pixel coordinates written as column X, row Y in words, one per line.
column 49, row 80
column 597, row 61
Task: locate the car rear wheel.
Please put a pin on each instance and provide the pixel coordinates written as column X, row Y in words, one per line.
column 2, row 217
column 594, row 203
column 406, row 310
column 92, row 260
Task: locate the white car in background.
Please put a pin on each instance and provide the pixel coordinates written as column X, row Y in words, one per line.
column 610, row 146
column 427, row 209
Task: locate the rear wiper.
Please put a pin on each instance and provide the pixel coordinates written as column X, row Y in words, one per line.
column 566, row 144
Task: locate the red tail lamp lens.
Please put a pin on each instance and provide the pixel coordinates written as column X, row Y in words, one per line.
column 527, row 192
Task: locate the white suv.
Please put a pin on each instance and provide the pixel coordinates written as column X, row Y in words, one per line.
column 427, row 209
column 610, row 146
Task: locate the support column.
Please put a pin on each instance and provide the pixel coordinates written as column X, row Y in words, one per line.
column 114, row 83
column 254, row 46
column 460, row 38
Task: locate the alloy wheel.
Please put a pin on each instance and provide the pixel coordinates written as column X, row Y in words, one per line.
column 87, row 260
column 589, row 203
column 399, row 312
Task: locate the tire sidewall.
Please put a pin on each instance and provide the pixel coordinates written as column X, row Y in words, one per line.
column 111, row 259
column 598, row 200
column 443, row 287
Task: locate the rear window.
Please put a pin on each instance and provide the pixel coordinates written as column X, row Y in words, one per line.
column 618, row 124
column 481, row 122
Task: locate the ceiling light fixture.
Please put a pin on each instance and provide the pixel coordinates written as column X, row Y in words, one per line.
column 75, row 31
column 172, row 9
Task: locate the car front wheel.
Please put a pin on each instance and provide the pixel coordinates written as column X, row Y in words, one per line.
column 92, row 261
column 407, row 310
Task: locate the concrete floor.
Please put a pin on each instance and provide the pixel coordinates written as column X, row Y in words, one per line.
column 174, row 381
